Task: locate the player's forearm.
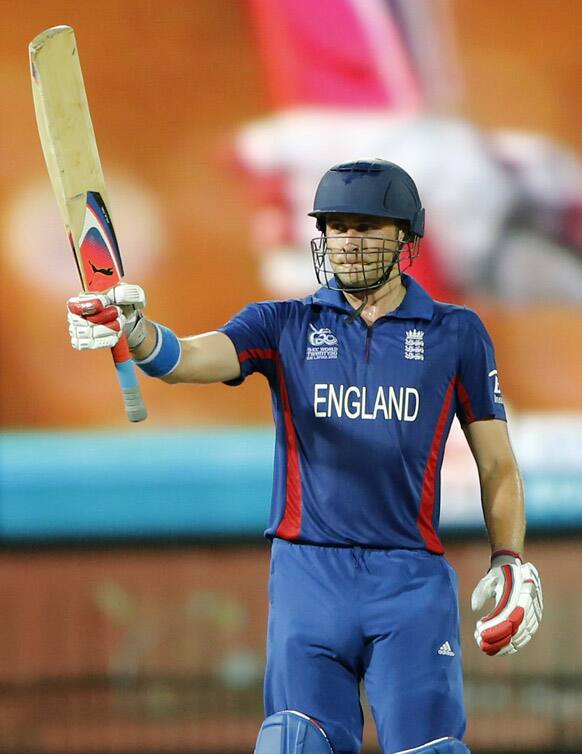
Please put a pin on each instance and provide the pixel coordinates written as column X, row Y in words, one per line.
column 205, row 358
column 503, row 506
column 209, row 357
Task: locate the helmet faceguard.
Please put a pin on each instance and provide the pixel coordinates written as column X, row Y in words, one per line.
column 375, row 260
column 373, row 188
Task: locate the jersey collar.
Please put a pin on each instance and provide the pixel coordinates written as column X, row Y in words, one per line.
column 416, row 304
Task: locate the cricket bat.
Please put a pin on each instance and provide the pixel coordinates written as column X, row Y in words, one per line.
column 70, row 151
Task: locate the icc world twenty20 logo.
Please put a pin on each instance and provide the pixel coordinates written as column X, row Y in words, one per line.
column 322, row 337
column 322, row 344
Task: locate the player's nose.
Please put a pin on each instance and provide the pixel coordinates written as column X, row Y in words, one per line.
column 351, row 246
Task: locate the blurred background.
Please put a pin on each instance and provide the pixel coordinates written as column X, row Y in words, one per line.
column 132, row 566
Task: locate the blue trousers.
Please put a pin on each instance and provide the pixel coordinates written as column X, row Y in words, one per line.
column 388, row 617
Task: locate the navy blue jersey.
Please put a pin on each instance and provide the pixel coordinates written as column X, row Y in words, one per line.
column 362, row 413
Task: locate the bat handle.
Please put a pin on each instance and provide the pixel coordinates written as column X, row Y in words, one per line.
column 132, row 397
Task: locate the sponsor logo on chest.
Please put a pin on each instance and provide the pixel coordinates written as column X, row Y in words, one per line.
column 321, row 344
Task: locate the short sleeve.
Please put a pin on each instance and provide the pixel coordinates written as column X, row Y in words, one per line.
column 254, row 332
column 478, row 392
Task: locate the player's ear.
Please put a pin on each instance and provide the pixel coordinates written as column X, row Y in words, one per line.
column 403, row 232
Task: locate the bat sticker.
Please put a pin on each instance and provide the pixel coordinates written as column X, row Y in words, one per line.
column 106, row 271
column 102, row 266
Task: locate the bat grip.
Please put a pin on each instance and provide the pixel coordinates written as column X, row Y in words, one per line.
column 132, row 397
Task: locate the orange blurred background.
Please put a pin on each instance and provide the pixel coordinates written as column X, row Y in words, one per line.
column 169, row 84
column 156, row 642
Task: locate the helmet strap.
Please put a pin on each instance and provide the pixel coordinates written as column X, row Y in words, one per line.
column 351, row 318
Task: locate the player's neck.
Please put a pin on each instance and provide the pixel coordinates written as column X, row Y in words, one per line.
column 380, row 302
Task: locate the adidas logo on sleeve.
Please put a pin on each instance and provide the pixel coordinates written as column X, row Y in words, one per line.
column 446, row 649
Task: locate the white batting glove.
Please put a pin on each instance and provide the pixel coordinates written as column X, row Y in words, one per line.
column 517, row 590
column 132, row 300
column 97, row 320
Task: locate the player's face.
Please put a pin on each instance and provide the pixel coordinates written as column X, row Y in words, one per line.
column 360, row 248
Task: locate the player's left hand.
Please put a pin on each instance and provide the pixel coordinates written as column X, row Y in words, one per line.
column 517, row 614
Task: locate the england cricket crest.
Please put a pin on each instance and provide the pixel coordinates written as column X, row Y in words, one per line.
column 414, row 345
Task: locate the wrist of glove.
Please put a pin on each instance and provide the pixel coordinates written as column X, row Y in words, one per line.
column 516, row 615
column 97, row 320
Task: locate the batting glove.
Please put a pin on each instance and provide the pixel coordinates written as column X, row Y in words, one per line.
column 97, row 320
column 517, row 590
column 132, row 300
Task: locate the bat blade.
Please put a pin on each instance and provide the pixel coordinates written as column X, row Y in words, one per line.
column 74, row 167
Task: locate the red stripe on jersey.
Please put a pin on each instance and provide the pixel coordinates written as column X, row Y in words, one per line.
column 290, row 525
column 463, row 397
column 427, row 498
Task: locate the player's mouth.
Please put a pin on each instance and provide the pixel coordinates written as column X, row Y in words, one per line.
column 359, row 267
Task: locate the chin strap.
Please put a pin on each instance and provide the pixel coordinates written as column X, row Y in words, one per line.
column 356, row 313
column 350, row 319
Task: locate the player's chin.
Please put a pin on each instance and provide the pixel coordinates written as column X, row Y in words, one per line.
column 357, row 280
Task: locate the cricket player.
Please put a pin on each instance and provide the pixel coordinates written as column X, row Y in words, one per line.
column 366, row 376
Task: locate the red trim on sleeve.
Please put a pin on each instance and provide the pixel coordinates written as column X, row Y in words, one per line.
column 463, row 397
column 258, row 353
column 427, row 498
column 290, row 525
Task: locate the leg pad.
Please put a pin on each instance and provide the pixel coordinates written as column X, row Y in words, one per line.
column 439, row 746
column 291, row 732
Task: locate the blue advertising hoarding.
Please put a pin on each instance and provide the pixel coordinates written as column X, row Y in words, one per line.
column 208, row 483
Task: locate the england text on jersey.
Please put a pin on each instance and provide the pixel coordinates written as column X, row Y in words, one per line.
column 359, row 402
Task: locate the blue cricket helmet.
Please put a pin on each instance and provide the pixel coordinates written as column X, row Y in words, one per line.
column 369, row 187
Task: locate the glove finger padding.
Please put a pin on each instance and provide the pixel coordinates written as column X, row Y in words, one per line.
column 517, row 612
column 128, row 295
column 87, row 304
column 531, row 601
column 110, row 314
column 119, row 309
column 93, row 322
